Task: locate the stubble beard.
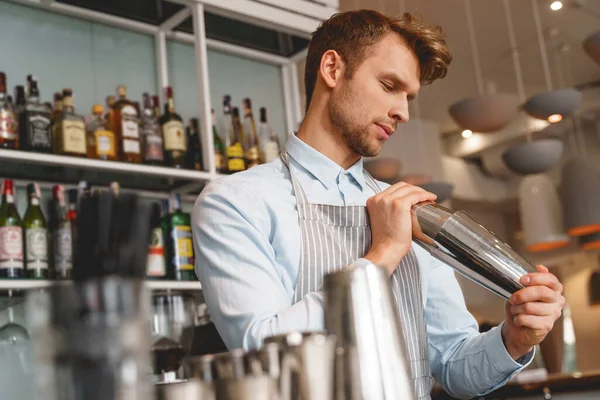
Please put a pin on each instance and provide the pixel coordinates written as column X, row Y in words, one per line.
column 344, row 113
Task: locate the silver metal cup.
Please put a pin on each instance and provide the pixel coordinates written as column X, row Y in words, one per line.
column 461, row 242
column 371, row 358
column 192, row 389
column 248, row 388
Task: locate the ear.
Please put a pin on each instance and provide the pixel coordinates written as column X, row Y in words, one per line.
column 332, row 68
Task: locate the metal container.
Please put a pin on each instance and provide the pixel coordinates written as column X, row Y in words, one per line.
column 371, row 358
column 461, row 242
column 248, row 388
column 192, row 389
column 307, row 364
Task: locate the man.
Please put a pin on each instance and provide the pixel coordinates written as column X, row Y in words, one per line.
column 266, row 237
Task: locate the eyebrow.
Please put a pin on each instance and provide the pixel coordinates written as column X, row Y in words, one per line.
column 397, row 81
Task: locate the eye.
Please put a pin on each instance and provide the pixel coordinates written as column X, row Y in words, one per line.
column 386, row 86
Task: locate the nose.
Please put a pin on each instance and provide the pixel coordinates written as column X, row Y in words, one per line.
column 399, row 112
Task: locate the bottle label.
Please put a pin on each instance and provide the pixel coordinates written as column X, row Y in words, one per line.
column 183, row 258
column 11, row 247
column 235, row 158
column 131, row 146
column 9, row 126
column 219, row 160
column 174, row 136
column 63, row 249
column 105, row 143
column 38, row 130
column 74, row 137
column 155, row 265
column 36, row 244
column 153, row 143
column 130, row 123
column 271, row 150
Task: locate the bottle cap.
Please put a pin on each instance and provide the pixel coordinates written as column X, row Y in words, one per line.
column 247, row 104
column 122, row 91
column 154, row 101
column 169, row 92
column 236, row 112
column 263, row 114
column 58, row 96
column 67, row 93
column 33, row 190
column 110, row 100
column 2, row 82
column 7, row 186
column 97, row 109
column 58, row 193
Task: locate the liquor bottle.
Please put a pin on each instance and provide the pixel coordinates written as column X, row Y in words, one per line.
column 152, row 137
column 173, row 133
column 19, row 101
column 252, row 146
column 35, row 122
column 101, row 141
column 56, row 113
column 9, row 125
column 125, row 124
column 220, row 163
column 36, row 236
column 180, row 251
column 11, row 235
column 70, row 129
column 235, row 149
column 193, row 157
column 155, row 263
column 61, row 234
column 268, row 138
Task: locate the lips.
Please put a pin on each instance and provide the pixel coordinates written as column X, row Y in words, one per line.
column 387, row 131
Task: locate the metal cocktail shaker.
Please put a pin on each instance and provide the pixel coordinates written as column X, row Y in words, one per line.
column 361, row 312
column 461, row 242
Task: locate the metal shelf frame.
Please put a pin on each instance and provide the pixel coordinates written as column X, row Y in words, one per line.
column 298, row 17
column 36, row 284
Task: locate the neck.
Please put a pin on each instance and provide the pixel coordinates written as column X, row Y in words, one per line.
column 317, row 131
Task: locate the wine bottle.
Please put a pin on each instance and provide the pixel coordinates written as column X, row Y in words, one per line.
column 125, row 124
column 151, row 134
column 180, row 251
column 235, row 148
column 11, row 235
column 155, row 264
column 220, row 164
column 252, row 146
column 36, row 236
column 62, row 243
column 193, row 157
column 173, row 133
column 71, row 129
column 271, row 148
column 9, row 125
column 35, row 122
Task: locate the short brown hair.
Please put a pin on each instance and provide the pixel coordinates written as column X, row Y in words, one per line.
column 351, row 33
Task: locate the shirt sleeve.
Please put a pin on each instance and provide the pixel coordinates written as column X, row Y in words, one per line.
column 237, row 267
column 463, row 361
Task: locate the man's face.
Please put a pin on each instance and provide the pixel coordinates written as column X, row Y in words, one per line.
column 367, row 108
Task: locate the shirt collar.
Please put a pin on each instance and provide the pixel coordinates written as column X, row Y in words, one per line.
column 321, row 166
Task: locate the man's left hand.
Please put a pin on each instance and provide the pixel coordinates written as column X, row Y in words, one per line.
column 531, row 312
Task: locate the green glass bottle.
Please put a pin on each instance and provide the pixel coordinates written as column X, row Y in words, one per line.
column 11, row 235
column 36, row 236
column 180, row 251
column 220, row 162
column 62, row 243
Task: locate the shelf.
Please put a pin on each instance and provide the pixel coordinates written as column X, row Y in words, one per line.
column 32, row 284
column 57, row 168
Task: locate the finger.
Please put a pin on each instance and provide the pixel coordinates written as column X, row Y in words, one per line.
column 534, row 322
column 392, row 188
column 543, row 269
column 542, row 279
column 408, row 190
column 537, row 308
column 535, row 293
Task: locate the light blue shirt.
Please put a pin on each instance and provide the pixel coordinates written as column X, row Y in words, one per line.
column 247, row 244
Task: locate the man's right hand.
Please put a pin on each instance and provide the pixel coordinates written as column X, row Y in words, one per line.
column 391, row 225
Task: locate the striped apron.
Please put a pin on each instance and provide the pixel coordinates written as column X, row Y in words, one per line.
column 335, row 236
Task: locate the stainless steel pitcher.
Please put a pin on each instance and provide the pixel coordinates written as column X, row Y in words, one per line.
column 248, row 388
column 192, row 389
column 461, row 242
column 307, row 364
column 371, row 358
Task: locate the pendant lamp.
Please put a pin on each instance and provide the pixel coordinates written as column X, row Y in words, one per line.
column 591, row 45
column 580, row 197
column 552, row 105
column 485, row 112
column 534, row 157
column 541, row 214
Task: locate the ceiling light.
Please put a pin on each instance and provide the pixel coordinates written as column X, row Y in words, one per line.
column 547, row 105
column 556, row 5
column 467, row 133
column 554, row 118
column 485, row 113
